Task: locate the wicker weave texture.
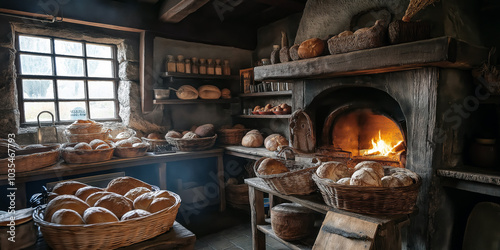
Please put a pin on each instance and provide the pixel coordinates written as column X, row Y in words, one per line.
column 370, row 200
column 82, row 156
column 129, row 152
column 298, row 181
column 108, row 235
column 231, row 136
column 25, row 163
column 195, row 144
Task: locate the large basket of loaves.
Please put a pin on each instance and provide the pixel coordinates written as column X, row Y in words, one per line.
column 202, row 138
column 95, row 151
column 27, row 158
column 286, row 176
column 128, row 211
column 369, row 188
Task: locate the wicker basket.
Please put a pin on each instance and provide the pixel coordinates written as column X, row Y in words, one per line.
column 231, row 136
column 126, row 132
column 84, row 128
column 130, row 152
column 297, row 181
column 108, row 235
column 83, row 156
column 103, row 135
column 237, row 194
column 152, row 143
column 371, row 200
column 195, row 144
column 29, row 162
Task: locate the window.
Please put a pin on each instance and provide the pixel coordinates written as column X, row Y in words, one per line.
column 71, row 79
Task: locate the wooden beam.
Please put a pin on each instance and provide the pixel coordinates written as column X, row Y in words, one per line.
column 146, row 70
column 174, row 11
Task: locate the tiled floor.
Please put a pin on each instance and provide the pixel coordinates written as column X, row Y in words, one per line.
column 237, row 237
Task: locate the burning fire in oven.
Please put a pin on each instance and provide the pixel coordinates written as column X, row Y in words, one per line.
column 381, row 147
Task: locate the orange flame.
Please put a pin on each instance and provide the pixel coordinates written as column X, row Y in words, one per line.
column 381, row 147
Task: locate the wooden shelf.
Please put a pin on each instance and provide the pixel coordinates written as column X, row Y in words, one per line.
column 269, row 93
column 198, row 76
column 306, row 243
column 445, row 52
column 472, row 179
column 195, row 101
column 265, row 116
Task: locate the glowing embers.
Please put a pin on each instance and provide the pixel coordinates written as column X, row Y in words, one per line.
column 383, row 147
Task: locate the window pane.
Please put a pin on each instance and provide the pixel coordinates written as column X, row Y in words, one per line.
column 34, row 44
column 100, row 68
column 69, row 66
column 72, row 110
column 68, row 89
column 38, row 89
column 101, row 89
column 102, row 110
column 101, row 51
column 32, row 109
column 68, row 48
column 36, row 65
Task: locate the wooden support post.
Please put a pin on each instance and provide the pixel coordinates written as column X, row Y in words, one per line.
column 162, row 175
column 257, row 217
column 222, row 188
column 146, row 70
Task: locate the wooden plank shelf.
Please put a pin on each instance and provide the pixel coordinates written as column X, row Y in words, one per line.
column 472, row 179
column 443, row 52
column 172, row 75
column 194, row 101
column 296, row 245
column 265, row 116
column 269, row 93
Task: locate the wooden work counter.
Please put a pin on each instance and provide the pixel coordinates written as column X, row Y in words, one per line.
column 62, row 169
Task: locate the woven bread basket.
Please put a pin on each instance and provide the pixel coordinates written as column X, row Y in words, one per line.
column 83, row 156
column 298, row 181
column 231, row 136
column 103, row 135
column 108, row 235
column 29, row 162
column 195, row 144
column 129, row 152
column 371, row 200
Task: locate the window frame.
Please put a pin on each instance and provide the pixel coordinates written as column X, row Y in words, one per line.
column 54, row 77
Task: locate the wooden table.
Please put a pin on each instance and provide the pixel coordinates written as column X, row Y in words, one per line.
column 388, row 234
column 178, row 237
column 62, row 169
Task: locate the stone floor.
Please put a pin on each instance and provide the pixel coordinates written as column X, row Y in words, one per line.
column 237, row 237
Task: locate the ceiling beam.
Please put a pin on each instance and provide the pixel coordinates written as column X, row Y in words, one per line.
column 174, row 11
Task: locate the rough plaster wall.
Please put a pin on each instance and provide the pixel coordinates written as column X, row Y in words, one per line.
column 9, row 111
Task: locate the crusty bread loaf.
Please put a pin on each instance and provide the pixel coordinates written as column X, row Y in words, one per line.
column 377, row 167
column 344, row 181
column 190, row 135
column 83, row 146
column 115, row 203
column 154, row 136
column 365, row 177
column 205, row 130
column 67, row 187
column 122, row 185
column 64, row 201
column 102, row 147
column 136, row 213
column 404, row 179
column 333, row 170
column 84, row 192
column 187, row 92
column 390, row 181
column 294, row 52
column 271, row 166
column 136, row 192
column 162, row 194
column 173, row 134
column 93, row 198
column 311, row 48
column 144, row 200
column 209, row 92
column 159, row 204
column 96, row 215
column 253, row 139
column 96, row 142
column 124, row 144
column 274, row 141
column 67, row 217
column 225, row 93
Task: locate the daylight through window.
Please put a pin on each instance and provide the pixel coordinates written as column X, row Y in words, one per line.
column 71, row 79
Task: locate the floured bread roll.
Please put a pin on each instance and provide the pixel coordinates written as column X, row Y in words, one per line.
column 67, row 187
column 271, row 166
column 162, row 194
column 96, row 215
column 136, row 213
column 377, row 167
column 344, row 181
column 115, row 203
column 365, row 177
column 333, row 170
column 136, row 192
column 64, row 201
column 67, row 217
column 93, row 198
column 404, row 179
column 96, row 142
column 160, row 204
column 84, row 192
column 122, row 185
column 83, row 146
column 144, row 200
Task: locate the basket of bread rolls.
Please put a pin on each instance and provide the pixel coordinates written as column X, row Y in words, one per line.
column 368, row 188
column 131, row 147
column 95, row 151
column 287, row 176
column 155, row 140
column 200, row 138
column 27, row 157
column 127, row 211
column 85, row 131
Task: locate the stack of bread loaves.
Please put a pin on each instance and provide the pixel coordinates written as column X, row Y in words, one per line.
column 131, row 147
column 125, row 198
column 85, row 131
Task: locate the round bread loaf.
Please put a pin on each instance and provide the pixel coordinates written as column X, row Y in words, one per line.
column 173, row 134
column 226, row 93
column 96, row 142
column 122, row 185
column 96, row 215
column 209, row 92
column 333, row 170
column 162, row 194
column 136, row 192
column 67, row 187
column 64, row 201
column 67, row 217
column 271, row 166
column 102, row 147
column 365, row 177
column 311, row 48
column 124, row 144
column 154, row 136
column 274, row 141
column 136, row 213
column 83, row 146
column 93, row 198
column 190, row 135
column 377, row 167
column 403, row 178
column 344, row 181
column 390, row 181
column 159, row 204
column 205, row 130
column 252, row 139
column 84, row 192
column 144, row 200
column 52, row 195
column 115, row 203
